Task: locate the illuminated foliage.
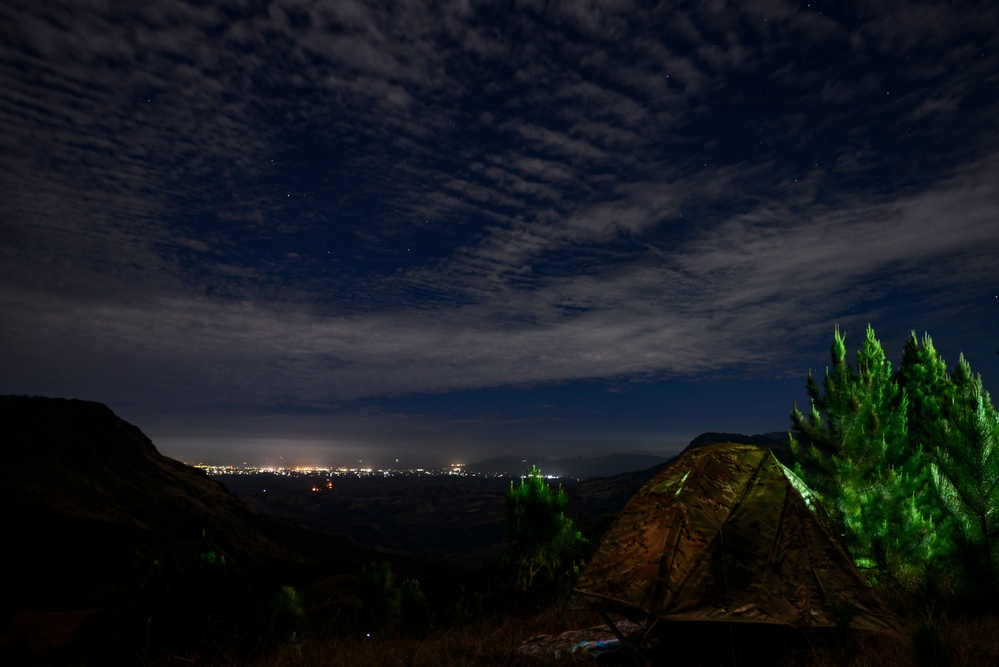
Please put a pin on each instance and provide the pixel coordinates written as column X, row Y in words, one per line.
column 954, row 419
column 540, row 538
column 923, row 376
column 907, row 464
column 853, row 449
column 966, row 476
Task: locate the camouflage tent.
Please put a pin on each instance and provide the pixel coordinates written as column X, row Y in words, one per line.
column 726, row 533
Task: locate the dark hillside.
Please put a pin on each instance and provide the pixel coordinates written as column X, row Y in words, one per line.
column 89, row 503
column 118, row 553
column 446, row 519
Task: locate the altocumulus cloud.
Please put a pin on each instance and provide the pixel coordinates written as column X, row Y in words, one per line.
column 325, row 201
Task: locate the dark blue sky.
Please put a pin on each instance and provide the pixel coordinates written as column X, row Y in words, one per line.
column 331, row 230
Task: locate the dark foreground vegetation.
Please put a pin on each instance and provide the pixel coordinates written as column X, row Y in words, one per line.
column 207, row 615
column 472, row 629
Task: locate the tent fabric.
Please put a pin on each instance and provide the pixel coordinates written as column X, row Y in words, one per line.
column 727, row 533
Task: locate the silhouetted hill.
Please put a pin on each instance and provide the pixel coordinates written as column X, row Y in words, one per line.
column 762, row 440
column 616, row 464
column 89, row 504
column 775, row 440
column 578, row 467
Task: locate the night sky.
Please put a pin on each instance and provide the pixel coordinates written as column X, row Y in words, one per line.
column 331, row 231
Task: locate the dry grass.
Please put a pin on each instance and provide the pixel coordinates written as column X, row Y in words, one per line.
column 958, row 643
column 483, row 643
column 961, row 642
column 974, row 641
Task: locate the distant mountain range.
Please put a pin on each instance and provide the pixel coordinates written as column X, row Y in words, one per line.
column 578, row 467
column 775, row 440
column 615, row 464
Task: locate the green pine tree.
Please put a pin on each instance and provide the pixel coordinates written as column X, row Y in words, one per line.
column 541, row 540
column 966, row 476
column 379, row 600
column 929, row 390
column 923, row 377
column 853, row 449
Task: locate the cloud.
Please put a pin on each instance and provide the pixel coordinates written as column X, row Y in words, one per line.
column 711, row 302
column 218, row 202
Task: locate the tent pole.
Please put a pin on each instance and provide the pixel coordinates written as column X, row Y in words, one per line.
column 624, row 640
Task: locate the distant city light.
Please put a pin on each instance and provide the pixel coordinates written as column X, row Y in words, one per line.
column 330, row 472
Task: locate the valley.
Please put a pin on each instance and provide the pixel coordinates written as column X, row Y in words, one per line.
column 453, row 519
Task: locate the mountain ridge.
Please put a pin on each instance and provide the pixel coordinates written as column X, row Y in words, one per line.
column 609, row 465
column 579, row 467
